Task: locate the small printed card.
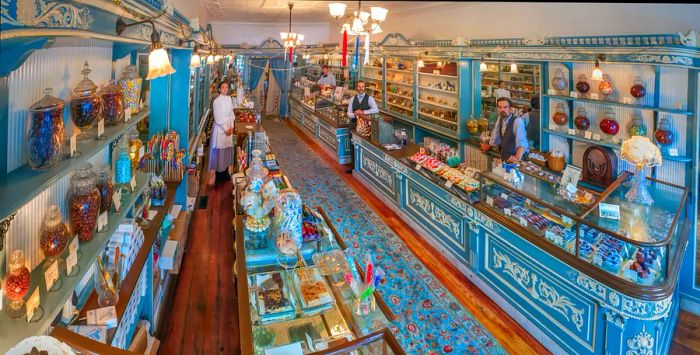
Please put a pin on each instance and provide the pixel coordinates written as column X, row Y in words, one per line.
column 673, row 152
column 609, row 211
column 102, row 220
column 523, row 221
column 127, row 115
column 448, row 184
column 73, row 145
column 596, row 136
column 51, row 275
column 504, row 196
column 33, row 303
column 627, row 100
column 572, row 132
column 106, row 316
column 506, row 211
column 567, row 220
column 100, row 128
column 117, row 200
column 594, row 96
column 573, row 94
column 132, row 183
column 587, row 135
column 551, row 92
column 571, row 176
column 94, row 332
column 74, row 245
column 71, row 261
column 616, row 140
column 418, row 166
column 489, row 201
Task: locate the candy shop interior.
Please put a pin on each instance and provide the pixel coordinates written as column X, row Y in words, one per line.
column 371, row 177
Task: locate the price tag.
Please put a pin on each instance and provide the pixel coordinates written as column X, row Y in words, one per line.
column 527, row 201
column 594, row 96
column 489, row 201
column 522, row 221
column 615, row 140
column 71, row 261
column 568, row 221
column 100, row 128
column 571, row 176
column 448, row 184
column 73, row 145
column 587, row 135
column 572, row 132
column 596, row 136
column 33, row 303
column 51, row 275
column 571, row 188
column 74, row 244
column 587, row 195
column 504, row 196
column 418, row 166
column 627, row 100
column 673, row 152
column 609, row 211
column 117, row 200
column 573, row 94
column 133, row 183
column 551, row 92
column 102, row 221
column 127, row 115
column 507, row 211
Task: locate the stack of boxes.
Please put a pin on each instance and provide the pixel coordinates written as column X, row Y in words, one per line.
column 129, row 238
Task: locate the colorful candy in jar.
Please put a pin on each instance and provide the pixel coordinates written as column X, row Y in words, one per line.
column 122, row 170
column 606, row 86
column 638, row 127
column 581, row 120
column 559, row 83
column 638, row 90
column 131, row 84
column 16, row 285
column 106, row 187
column 112, row 103
column 54, row 234
column 582, row 85
column 560, row 117
column 84, row 202
column 473, row 126
column 135, row 146
column 609, row 125
column 86, row 104
column 45, row 140
column 664, row 135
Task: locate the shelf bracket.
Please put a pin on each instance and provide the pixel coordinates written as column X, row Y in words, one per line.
column 16, row 50
column 4, row 227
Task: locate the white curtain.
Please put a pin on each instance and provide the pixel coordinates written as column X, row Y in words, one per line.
column 273, row 97
column 257, row 92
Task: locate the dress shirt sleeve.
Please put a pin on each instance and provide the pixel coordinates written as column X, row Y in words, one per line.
column 220, row 115
column 351, row 111
column 495, row 138
column 332, row 79
column 520, row 134
column 373, row 108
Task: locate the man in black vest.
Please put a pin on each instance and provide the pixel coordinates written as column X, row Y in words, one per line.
column 509, row 133
column 363, row 105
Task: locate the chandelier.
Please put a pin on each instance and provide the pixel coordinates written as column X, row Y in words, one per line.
column 291, row 39
column 355, row 23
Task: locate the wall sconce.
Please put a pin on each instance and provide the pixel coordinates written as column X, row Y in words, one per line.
column 421, row 63
column 195, row 60
column 158, row 61
column 482, row 64
column 210, row 59
column 597, row 72
column 513, row 68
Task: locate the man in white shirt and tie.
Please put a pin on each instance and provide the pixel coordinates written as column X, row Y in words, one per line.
column 327, row 78
column 362, row 105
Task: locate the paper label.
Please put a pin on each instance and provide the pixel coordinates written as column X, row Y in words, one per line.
column 609, row 211
column 587, row 135
column 448, row 184
column 504, row 196
column 117, row 200
column 74, row 244
column 33, row 303
column 551, row 92
column 587, row 195
column 527, row 201
column 596, row 136
column 571, row 176
column 102, row 221
column 418, row 166
column 572, row 132
column 673, row 152
column 127, row 115
column 506, row 211
column 71, row 261
column 133, row 182
column 616, row 139
column 51, row 275
column 489, row 201
column 571, row 188
column 549, row 235
column 100, row 128
column 594, row 96
column 558, row 239
column 567, row 220
column 73, row 145
column 523, row 221
column 573, row 94
column 627, row 100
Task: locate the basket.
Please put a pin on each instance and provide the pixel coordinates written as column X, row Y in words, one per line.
column 541, row 163
column 555, row 163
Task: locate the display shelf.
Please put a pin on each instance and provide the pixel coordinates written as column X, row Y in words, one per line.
column 371, row 78
column 510, row 81
column 439, row 75
column 518, row 90
column 620, row 104
column 493, row 98
column 401, row 96
column 399, row 83
column 410, row 71
column 612, row 145
column 437, row 118
column 14, row 331
column 438, row 105
column 20, row 186
column 508, row 73
column 79, row 342
column 438, row 90
column 426, row 125
column 399, row 106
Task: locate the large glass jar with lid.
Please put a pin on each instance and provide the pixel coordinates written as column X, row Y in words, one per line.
column 136, row 151
column 16, row 285
column 46, row 132
column 112, row 103
column 122, row 169
column 86, row 104
column 54, row 234
column 106, row 187
column 259, row 196
column 84, row 202
column 288, row 227
column 131, row 83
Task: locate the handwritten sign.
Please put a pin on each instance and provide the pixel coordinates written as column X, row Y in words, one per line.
column 448, row 184
column 100, row 128
column 71, row 261
column 102, row 221
column 596, row 136
column 117, row 200
column 587, row 135
column 51, row 275
column 418, row 166
column 572, row 132
column 73, row 145
column 573, row 94
column 33, row 303
column 127, row 115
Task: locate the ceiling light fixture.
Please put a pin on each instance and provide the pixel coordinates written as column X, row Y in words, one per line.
column 421, row 63
column 513, row 68
column 290, row 39
column 355, row 23
column 597, row 72
column 210, row 59
column 158, row 61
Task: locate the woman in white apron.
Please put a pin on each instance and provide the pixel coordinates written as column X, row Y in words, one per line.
column 221, row 153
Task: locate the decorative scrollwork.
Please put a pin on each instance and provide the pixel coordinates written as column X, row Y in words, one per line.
column 41, row 13
column 435, row 213
column 378, row 171
column 635, row 307
column 4, row 227
column 664, row 59
column 641, row 344
column 539, row 289
column 535, row 55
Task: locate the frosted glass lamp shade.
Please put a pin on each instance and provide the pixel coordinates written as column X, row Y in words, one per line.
column 337, row 9
column 597, row 73
column 195, row 61
column 357, row 25
column 420, row 63
column 513, row 68
column 378, row 13
column 376, row 29
column 159, row 64
column 482, row 67
column 210, row 59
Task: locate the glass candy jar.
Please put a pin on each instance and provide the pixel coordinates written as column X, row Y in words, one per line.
column 86, row 104
column 122, row 169
column 289, row 222
column 135, row 151
column 54, row 234
column 608, row 124
column 560, row 117
column 663, row 134
column 16, row 285
column 638, row 127
column 131, row 84
column 582, row 85
column 638, row 90
column 606, row 86
column 559, row 83
column 46, row 131
column 112, row 103
column 258, row 199
column 106, row 187
column 84, row 202
column 581, row 120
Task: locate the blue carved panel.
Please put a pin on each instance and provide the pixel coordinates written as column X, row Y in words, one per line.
column 328, row 136
column 378, row 173
column 445, row 224
column 535, row 287
column 310, row 124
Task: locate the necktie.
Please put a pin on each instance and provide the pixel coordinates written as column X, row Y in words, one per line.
column 504, row 125
column 325, row 75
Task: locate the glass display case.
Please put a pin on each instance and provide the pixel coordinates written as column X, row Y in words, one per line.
column 521, row 80
column 438, row 93
column 372, row 74
column 637, row 244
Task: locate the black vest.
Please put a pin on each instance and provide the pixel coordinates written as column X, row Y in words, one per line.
column 357, row 105
column 507, row 139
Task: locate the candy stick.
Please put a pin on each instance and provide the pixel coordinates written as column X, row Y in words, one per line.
column 366, row 293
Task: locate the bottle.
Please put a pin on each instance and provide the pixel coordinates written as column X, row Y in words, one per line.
column 581, row 120
column 106, row 187
column 638, row 127
column 664, row 135
column 609, row 124
column 560, row 117
column 112, row 103
column 131, row 84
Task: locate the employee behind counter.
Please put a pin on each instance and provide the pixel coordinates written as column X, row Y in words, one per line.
column 509, row 134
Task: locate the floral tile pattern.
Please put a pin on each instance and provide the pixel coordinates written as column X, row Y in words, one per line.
column 431, row 320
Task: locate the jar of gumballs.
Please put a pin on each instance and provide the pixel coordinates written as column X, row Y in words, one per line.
column 112, row 103
column 16, row 285
column 46, row 131
column 106, row 187
column 122, row 166
column 638, row 127
column 86, row 104
column 84, row 202
column 131, row 84
column 54, row 234
column 664, row 134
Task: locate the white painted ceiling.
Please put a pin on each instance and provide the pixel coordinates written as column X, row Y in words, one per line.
column 308, row 11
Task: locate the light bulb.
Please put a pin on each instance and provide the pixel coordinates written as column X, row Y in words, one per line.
column 283, row 35
column 597, row 72
column 420, row 63
column 159, row 64
column 195, row 61
column 337, row 9
column 513, row 68
column 217, row 58
column 482, row 67
column 301, row 38
column 439, row 64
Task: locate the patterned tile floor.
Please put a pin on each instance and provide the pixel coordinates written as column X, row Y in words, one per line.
column 431, row 320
